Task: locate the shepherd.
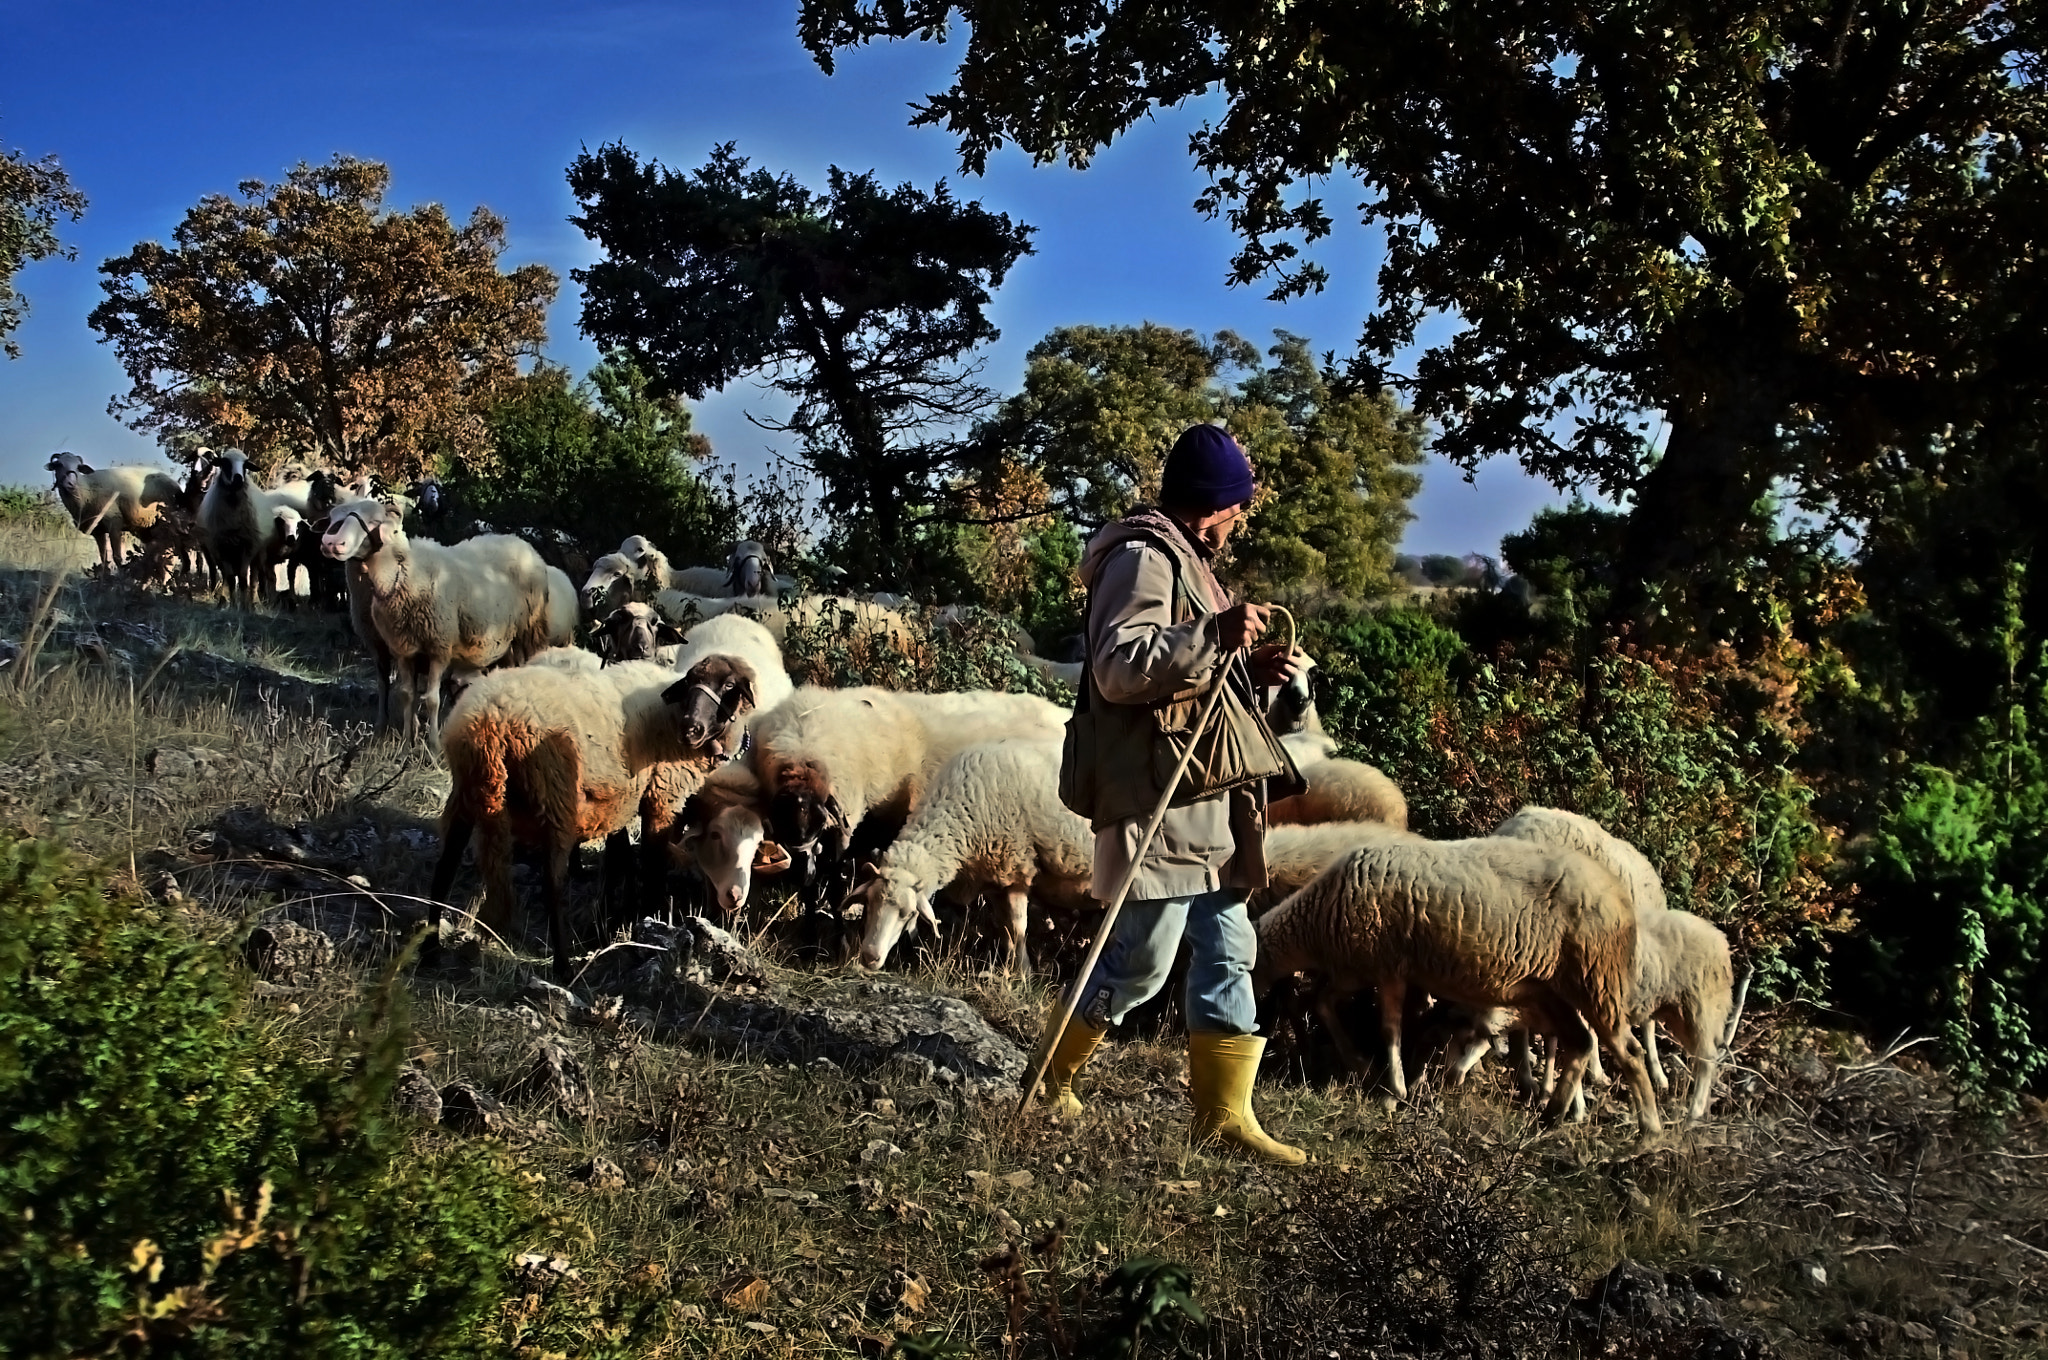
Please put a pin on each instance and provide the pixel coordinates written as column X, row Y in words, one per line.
column 1162, row 635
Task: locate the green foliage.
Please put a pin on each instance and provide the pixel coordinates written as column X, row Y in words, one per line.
column 30, row 503
column 859, row 304
column 1954, row 881
column 586, row 458
column 1791, row 228
column 1676, row 755
column 1155, row 1301
column 33, row 196
column 1102, row 406
column 975, row 651
column 172, row 1177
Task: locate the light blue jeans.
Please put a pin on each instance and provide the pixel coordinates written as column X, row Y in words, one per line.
column 1222, row 946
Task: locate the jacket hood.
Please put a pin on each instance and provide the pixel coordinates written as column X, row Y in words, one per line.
column 1151, row 523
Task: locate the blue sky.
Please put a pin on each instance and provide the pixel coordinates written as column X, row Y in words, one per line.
column 150, row 107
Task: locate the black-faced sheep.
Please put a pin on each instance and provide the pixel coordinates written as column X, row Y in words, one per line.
column 991, row 822
column 1484, row 923
column 635, row 632
column 108, row 504
column 554, row 755
column 721, row 658
column 470, row 606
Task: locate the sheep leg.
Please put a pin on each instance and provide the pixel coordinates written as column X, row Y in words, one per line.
column 382, row 655
column 494, row 866
column 1326, row 1004
column 1393, row 998
column 1571, row 1045
column 1657, row 1077
column 1628, row 1056
column 558, row 934
column 1701, row 1040
column 455, row 834
column 621, row 874
column 1525, row 1061
column 430, row 696
column 1484, row 1028
column 1017, row 927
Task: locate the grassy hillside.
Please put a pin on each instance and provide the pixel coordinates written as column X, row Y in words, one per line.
column 690, row 1199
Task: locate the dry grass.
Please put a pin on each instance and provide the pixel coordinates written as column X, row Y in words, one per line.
column 764, row 1204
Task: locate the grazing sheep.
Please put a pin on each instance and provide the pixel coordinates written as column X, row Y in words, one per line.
column 1485, row 923
column 239, row 521
column 1685, row 978
column 828, row 759
column 653, row 574
column 1338, row 790
column 844, row 613
column 1296, row 854
column 554, row 756
column 724, row 836
column 468, row 606
column 991, row 821
column 109, row 504
column 174, row 544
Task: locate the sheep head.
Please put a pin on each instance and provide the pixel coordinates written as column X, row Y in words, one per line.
column 727, row 852
column 69, row 467
column 359, row 529
column 714, row 693
column 233, row 467
column 891, row 905
column 289, row 525
column 633, row 632
column 803, row 811
column 750, row 570
column 608, row 576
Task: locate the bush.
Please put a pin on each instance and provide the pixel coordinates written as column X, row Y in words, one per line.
column 1954, row 905
column 176, row 1182
column 1677, row 755
column 974, row 652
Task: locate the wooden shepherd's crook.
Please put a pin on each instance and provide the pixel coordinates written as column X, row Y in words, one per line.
column 1049, row 1042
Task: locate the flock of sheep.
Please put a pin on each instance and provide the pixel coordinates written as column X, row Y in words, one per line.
column 877, row 803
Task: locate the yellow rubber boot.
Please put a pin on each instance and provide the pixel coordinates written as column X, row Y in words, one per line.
column 1221, row 1070
column 1077, row 1045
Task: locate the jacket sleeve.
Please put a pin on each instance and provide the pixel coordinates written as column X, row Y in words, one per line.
column 1137, row 652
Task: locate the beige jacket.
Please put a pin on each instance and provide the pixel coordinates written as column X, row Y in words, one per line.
column 1139, row 655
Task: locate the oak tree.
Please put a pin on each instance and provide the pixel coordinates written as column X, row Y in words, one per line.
column 1801, row 231
column 1102, row 405
column 862, row 305
column 305, row 315
column 34, row 194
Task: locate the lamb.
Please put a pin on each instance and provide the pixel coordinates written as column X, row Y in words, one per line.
column 239, row 521
column 1683, row 973
column 109, row 504
column 991, row 821
column 555, row 755
column 1485, row 923
column 1338, row 790
column 467, row 606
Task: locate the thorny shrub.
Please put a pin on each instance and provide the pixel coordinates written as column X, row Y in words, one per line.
column 1437, row 1253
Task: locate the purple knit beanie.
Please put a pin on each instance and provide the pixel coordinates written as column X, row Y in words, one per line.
column 1206, row 471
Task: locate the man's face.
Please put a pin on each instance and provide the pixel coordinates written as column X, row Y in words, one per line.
column 1215, row 528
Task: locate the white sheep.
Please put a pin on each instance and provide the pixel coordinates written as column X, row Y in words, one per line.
column 239, row 522
column 117, row 501
column 1339, row 790
column 653, row 573
column 1296, row 854
column 686, row 610
column 469, row 606
column 609, row 585
column 561, row 615
column 1571, row 831
column 992, row 821
column 553, row 756
column 724, row 836
column 1485, row 923
column 749, row 569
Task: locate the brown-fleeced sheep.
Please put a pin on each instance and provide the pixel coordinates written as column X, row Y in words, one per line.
column 1339, row 790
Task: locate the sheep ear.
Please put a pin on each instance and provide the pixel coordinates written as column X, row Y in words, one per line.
column 666, row 632
column 675, row 693
column 924, row 909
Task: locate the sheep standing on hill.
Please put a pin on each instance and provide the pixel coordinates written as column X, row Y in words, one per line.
column 109, row 504
column 1485, row 923
column 553, row 756
column 1683, row 977
column 240, row 522
column 1339, row 790
column 470, row 606
column 992, row 821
